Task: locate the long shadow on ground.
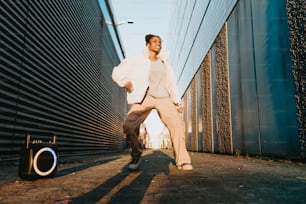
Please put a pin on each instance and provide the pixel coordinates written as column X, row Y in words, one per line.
column 129, row 186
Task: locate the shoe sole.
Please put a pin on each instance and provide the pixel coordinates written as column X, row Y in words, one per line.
column 135, row 166
column 186, row 167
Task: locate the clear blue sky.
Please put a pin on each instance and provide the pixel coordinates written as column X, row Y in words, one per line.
column 149, row 16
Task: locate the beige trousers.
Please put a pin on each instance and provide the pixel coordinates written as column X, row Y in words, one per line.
column 169, row 116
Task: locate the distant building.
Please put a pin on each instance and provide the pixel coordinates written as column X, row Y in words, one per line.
column 166, row 139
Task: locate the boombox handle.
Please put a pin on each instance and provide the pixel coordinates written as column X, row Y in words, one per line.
column 54, row 139
column 28, row 139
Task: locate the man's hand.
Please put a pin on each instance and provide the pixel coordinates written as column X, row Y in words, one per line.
column 180, row 109
column 129, row 86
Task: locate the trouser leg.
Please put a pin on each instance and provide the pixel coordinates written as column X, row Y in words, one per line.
column 173, row 121
column 137, row 114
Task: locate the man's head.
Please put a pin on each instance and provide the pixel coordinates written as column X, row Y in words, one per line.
column 153, row 43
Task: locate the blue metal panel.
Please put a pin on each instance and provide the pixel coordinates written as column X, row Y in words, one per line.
column 262, row 97
column 277, row 113
column 201, row 37
column 245, row 124
column 188, row 119
column 199, row 110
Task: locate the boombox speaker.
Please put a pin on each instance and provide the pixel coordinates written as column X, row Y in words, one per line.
column 38, row 159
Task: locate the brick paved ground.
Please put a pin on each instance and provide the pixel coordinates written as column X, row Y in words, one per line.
column 215, row 179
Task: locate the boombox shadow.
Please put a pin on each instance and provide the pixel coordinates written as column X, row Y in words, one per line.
column 74, row 169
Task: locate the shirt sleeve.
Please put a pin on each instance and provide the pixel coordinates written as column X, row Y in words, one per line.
column 120, row 73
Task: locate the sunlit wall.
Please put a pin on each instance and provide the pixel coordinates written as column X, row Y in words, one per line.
column 234, row 68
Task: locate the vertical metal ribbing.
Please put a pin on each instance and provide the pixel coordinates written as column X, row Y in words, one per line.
column 256, row 87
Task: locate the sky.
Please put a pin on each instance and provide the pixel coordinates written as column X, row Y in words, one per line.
column 149, row 16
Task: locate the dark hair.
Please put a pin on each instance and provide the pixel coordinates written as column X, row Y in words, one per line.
column 149, row 36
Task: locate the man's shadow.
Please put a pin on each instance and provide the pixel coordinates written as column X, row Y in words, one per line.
column 129, row 186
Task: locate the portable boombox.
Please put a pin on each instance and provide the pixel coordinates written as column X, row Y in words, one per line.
column 38, row 159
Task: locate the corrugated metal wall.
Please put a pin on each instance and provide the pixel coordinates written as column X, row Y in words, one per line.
column 56, row 60
column 247, row 90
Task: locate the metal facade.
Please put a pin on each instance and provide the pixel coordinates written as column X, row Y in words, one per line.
column 261, row 78
column 241, row 49
column 56, row 59
column 195, row 26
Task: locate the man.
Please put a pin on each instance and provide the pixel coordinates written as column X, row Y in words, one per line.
column 151, row 84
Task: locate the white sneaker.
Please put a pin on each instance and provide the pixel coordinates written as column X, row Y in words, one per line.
column 185, row 167
column 135, row 163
